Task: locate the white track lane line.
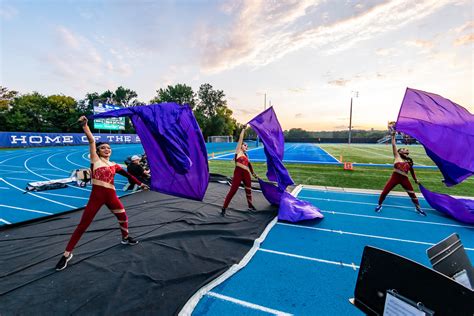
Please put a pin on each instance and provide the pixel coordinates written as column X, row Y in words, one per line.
column 62, row 195
column 38, row 196
column 26, row 167
column 25, row 209
column 394, row 219
column 27, row 154
column 4, row 221
column 363, row 235
column 73, row 163
column 347, row 265
column 248, row 304
column 365, row 203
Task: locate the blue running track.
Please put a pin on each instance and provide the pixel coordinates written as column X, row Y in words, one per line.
column 311, row 268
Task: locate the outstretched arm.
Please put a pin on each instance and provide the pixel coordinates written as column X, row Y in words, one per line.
column 92, row 150
column 240, row 142
column 396, row 155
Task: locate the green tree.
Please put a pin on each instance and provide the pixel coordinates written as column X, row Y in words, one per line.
column 6, row 99
column 124, row 96
column 212, row 113
column 60, row 114
column 27, row 113
column 180, row 93
column 296, row 133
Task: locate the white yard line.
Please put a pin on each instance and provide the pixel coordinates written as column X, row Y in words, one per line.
column 248, row 304
column 363, row 235
column 347, row 265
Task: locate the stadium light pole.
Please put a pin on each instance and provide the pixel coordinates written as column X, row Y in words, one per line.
column 265, row 102
column 354, row 94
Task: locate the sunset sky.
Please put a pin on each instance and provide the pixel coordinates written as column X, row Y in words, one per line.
column 307, row 56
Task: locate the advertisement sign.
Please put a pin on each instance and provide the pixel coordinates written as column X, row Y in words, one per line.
column 25, row 139
column 112, row 123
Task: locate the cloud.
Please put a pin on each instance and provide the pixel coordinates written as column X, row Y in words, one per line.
column 78, row 59
column 264, row 31
column 7, row 12
column 385, row 52
column 420, row 43
column 339, row 82
column 297, row 90
column 464, row 40
column 466, row 27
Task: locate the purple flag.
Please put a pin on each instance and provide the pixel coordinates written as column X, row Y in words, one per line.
column 268, row 128
column 444, row 128
column 174, row 146
column 460, row 209
column 291, row 209
column 295, row 210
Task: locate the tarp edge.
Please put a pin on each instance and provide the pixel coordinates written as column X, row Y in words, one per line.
column 191, row 304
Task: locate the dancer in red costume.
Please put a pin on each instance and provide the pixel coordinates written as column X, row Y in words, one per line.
column 242, row 171
column 402, row 165
column 103, row 192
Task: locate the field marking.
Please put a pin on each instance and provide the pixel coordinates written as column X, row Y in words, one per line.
column 67, row 158
column 247, row 304
column 1, row 162
column 38, row 196
column 4, row 221
column 328, row 153
column 233, row 153
column 363, row 235
column 25, row 209
column 348, row 265
column 49, row 163
column 63, row 195
column 365, row 203
column 394, row 219
column 25, row 164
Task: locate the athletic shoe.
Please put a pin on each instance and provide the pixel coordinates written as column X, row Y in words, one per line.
column 62, row 264
column 378, row 208
column 129, row 241
column 223, row 211
column 420, row 211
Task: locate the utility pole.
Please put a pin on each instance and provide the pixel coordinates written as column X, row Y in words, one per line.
column 354, row 94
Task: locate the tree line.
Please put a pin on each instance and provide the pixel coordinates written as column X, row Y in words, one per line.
column 34, row 112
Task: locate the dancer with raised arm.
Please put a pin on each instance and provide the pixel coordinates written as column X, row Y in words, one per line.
column 402, row 165
column 103, row 192
column 242, row 171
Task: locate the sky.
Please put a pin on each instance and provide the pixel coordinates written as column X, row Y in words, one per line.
column 310, row 58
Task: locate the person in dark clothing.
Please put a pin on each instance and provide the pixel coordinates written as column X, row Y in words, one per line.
column 136, row 170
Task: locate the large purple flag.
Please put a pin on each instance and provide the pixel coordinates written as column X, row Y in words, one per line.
column 174, row 145
column 268, row 128
column 444, row 128
column 291, row 209
column 460, row 209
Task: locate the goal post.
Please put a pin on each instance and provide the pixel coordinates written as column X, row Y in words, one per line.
column 220, row 139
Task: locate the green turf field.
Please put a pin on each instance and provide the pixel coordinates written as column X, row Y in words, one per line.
column 361, row 177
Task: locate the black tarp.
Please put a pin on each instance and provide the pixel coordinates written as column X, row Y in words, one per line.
column 184, row 245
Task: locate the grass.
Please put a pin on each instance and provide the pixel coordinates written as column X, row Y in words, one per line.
column 360, row 177
column 380, row 154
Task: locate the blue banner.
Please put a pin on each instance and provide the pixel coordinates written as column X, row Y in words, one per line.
column 21, row 139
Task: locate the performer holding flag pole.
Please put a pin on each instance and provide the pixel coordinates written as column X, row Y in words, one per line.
column 103, row 192
column 402, row 165
column 242, row 171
